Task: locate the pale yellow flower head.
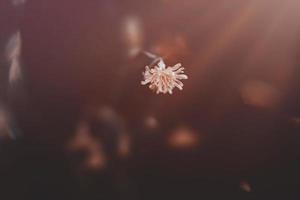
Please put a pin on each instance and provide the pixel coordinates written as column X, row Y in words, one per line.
column 162, row 79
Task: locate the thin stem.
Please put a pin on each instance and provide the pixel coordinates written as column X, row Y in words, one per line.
column 155, row 58
column 150, row 55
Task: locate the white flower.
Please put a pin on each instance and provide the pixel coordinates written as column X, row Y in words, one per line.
column 162, row 79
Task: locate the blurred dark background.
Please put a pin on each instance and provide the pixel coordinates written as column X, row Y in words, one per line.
column 75, row 122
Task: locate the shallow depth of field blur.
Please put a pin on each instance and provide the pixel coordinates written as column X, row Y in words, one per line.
column 76, row 123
